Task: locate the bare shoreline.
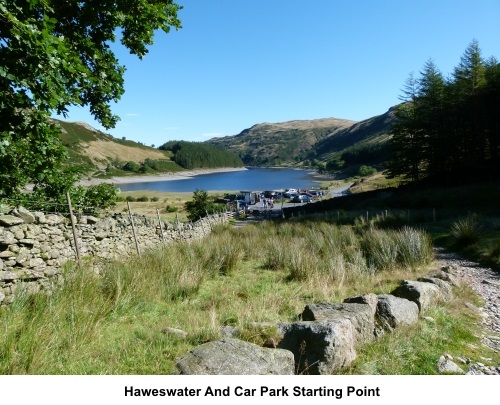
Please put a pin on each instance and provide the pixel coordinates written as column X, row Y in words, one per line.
column 158, row 177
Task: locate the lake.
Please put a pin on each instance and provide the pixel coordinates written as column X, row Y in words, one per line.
column 251, row 179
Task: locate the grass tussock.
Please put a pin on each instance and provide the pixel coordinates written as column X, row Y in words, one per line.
column 466, row 231
column 113, row 321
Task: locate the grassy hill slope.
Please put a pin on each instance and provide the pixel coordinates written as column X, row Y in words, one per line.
column 280, row 144
column 360, row 135
column 96, row 150
column 293, row 142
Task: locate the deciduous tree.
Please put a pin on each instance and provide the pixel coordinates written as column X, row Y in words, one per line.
column 55, row 54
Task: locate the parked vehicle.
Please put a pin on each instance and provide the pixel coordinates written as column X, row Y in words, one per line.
column 251, row 197
column 301, row 198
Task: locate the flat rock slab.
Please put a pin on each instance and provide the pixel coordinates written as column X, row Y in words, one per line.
column 236, row 357
column 10, row 220
column 423, row 294
column 359, row 314
column 320, row 347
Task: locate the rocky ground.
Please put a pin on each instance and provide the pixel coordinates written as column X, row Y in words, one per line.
column 486, row 283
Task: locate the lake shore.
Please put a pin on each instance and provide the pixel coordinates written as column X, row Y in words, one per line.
column 158, row 177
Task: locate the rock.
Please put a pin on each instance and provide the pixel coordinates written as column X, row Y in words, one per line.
column 8, row 276
column 270, row 343
column 361, row 316
column 229, row 331
column 491, row 282
column 91, row 220
column 447, row 366
column 235, row 357
column 2, row 296
column 443, row 286
column 393, row 312
column 423, row 294
column 320, row 347
column 370, row 299
column 24, row 214
column 477, row 310
column 445, row 276
column 173, row 331
column 10, row 220
column 27, row 242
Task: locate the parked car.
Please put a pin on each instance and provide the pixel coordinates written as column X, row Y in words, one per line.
column 301, row 199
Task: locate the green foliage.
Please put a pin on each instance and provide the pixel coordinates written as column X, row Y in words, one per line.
column 334, row 164
column 196, row 155
column 55, row 55
column 142, row 198
column 201, row 205
column 131, row 167
column 447, row 130
column 365, row 153
column 171, row 208
column 366, row 171
column 101, row 196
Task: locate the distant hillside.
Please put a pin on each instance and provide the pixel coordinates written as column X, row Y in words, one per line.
column 97, row 151
column 372, row 133
column 292, row 142
column 284, row 143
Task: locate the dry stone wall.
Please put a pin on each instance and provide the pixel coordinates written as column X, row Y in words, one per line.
column 34, row 245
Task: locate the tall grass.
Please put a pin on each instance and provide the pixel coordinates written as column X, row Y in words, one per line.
column 111, row 321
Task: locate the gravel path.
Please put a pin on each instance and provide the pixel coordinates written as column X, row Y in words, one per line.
column 486, row 283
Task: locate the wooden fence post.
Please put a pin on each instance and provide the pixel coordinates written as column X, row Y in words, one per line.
column 133, row 229
column 73, row 226
column 161, row 227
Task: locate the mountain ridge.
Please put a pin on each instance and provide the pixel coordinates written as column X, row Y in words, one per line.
column 297, row 141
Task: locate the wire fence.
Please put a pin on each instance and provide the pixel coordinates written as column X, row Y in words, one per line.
column 47, row 207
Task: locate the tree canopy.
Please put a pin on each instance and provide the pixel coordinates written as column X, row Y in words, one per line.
column 55, row 54
column 448, row 129
column 198, row 155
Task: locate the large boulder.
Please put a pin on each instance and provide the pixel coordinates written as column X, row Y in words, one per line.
column 360, row 315
column 423, row 294
column 393, row 312
column 235, row 357
column 320, row 347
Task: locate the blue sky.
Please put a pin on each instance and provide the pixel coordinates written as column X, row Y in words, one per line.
column 236, row 63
